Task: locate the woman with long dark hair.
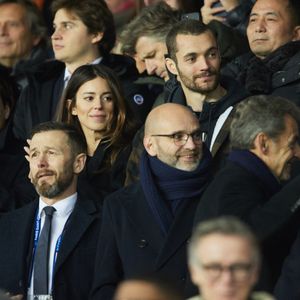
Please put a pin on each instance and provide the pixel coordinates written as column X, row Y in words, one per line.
column 94, row 102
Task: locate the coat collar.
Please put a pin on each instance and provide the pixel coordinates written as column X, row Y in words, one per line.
column 84, row 213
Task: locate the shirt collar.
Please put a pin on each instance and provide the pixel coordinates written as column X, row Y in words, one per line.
column 67, row 74
column 63, row 207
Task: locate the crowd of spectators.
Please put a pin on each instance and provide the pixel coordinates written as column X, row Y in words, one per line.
column 149, row 149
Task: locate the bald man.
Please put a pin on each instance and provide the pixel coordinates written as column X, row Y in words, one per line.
column 146, row 225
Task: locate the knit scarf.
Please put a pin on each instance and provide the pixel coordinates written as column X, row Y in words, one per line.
column 257, row 75
column 257, row 167
column 166, row 188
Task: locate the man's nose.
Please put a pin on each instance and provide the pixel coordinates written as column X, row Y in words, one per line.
column 42, row 161
column 3, row 29
column 190, row 144
column 150, row 67
column 260, row 26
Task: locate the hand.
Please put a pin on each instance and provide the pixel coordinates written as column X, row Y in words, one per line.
column 14, row 297
column 27, row 150
column 229, row 4
column 209, row 13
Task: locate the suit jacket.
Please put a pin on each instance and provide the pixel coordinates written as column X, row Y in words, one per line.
column 131, row 243
column 75, row 261
column 274, row 218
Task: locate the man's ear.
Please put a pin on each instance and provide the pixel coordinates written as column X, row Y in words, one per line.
column 149, row 145
column 97, row 37
column 79, row 163
column 261, row 144
column 171, row 65
column 296, row 34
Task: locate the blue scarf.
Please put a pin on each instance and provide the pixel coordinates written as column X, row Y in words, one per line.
column 257, row 167
column 166, row 188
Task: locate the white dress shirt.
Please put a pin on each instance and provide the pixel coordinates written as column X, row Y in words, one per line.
column 63, row 211
column 68, row 74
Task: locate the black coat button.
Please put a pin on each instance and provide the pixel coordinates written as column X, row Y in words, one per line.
column 142, row 243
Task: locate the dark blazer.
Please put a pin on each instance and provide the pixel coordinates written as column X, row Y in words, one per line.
column 74, row 267
column 131, row 243
column 274, row 218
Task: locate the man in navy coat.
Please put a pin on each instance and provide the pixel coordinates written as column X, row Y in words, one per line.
column 57, row 154
column 146, row 226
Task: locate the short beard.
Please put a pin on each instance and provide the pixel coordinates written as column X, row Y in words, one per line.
column 58, row 187
column 191, row 85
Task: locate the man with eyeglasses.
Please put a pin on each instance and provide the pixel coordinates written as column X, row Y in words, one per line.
column 146, row 225
column 224, row 260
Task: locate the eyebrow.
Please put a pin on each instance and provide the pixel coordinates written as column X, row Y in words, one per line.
column 93, row 93
column 265, row 14
column 46, row 147
column 206, row 51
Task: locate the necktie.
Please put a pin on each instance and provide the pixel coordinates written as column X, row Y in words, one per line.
column 41, row 259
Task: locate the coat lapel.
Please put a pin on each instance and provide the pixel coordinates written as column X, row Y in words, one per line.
column 83, row 215
column 179, row 233
column 142, row 218
column 223, row 134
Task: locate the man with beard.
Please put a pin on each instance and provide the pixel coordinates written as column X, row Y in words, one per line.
column 194, row 60
column 194, row 65
column 48, row 247
column 146, row 225
column 264, row 138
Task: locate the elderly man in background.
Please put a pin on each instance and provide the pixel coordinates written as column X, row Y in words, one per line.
column 224, row 261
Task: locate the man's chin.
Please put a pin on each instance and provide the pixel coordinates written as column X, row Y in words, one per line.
column 189, row 167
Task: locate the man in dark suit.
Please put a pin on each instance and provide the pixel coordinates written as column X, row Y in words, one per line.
column 264, row 140
column 57, row 154
column 146, row 225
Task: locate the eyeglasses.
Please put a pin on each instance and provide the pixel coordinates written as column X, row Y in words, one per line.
column 239, row 271
column 180, row 138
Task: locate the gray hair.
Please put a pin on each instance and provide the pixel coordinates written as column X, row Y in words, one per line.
column 228, row 226
column 261, row 113
column 34, row 18
column 153, row 21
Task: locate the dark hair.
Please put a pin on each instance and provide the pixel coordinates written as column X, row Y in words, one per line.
column 153, row 21
column 95, row 15
column 260, row 113
column 34, row 18
column 76, row 139
column 120, row 131
column 294, row 9
column 186, row 27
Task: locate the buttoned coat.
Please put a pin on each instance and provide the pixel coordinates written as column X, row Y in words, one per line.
column 131, row 243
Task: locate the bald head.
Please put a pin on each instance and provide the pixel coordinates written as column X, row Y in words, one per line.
column 172, row 134
column 166, row 115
